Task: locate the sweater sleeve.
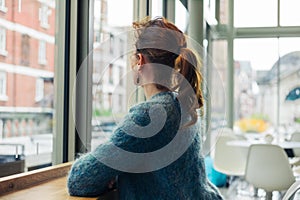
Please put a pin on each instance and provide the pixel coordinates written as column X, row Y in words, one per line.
column 89, row 176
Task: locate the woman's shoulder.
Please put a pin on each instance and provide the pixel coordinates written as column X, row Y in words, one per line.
column 159, row 105
column 163, row 98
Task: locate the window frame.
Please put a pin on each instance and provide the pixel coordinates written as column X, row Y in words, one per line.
column 3, row 38
column 3, row 8
column 3, row 90
column 65, row 74
column 228, row 32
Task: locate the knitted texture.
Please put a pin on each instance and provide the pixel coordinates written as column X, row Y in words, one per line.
column 182, row 179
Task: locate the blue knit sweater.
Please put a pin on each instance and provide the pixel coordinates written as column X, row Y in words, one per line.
column 145, row 178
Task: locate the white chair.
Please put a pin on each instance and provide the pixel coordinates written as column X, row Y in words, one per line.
column 268, row 168
column 296, row 138
column 295, row 161
column 290, row 193
column 229, row 160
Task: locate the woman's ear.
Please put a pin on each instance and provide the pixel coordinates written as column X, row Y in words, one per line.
column 141, row 59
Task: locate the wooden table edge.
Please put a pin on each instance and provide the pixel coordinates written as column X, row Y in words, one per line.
column 25, row 180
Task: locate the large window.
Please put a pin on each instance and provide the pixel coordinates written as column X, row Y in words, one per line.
column 260, row 55
column 26, row 88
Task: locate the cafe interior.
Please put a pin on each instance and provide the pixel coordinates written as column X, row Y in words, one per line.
column 65, row 85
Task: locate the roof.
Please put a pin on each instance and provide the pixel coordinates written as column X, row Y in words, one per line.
column 289, row 64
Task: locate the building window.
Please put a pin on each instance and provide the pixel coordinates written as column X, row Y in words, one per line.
column 112, row 43
column 110, row 74
column 3, row 96
column 121, row 81
column 120, row 103
column 25, row 50
column 122, row 48
column 39, row 89
column 42, row 53
column 2, row 6
column 44, row 12
column 3, row 51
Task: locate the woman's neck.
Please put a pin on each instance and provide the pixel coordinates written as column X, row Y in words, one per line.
column 150, row 90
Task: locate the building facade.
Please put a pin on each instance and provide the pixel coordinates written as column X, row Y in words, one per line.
column 27, row 43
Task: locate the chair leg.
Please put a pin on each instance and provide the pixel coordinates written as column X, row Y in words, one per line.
column 269, row 195
column 255, row 192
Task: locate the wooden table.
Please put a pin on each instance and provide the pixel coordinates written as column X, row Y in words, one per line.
column 51, row 190
column 49, row 183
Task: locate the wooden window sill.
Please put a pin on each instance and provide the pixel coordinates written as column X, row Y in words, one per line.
column 47, row 183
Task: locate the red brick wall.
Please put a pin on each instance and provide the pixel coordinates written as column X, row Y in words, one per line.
column 21, row 88
column 29, row 15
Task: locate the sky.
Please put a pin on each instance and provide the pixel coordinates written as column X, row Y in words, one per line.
column 125, row 7
column 120, row 13
column 262, row 53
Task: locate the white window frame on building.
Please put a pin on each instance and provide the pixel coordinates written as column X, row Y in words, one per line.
column 3, row 51
column 3, row 84
column 3, row 8
column 39, row 89
column 42, row 52
column 44, row 13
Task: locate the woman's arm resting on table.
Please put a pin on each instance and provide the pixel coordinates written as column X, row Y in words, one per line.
column 89, row 177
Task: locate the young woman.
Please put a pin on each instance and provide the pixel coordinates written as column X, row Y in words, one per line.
column 155, row 152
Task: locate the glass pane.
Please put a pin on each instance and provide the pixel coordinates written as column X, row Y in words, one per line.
column 111, row 97
column 157, row 8
column 27, row 43
column 111, row 12
column 289, row 13
column 255, row 85
column 289, row 121
column 255, row 13
column 266, row 85
column 181, row 16
column 218, row 83
column 217, row 91
column 254, row 50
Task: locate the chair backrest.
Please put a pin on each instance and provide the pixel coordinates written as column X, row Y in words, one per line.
column 294, row 188
column 268, row 168
column 230, row 160
column 296, row 138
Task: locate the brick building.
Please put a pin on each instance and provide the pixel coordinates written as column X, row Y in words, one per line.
column 27, row 42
